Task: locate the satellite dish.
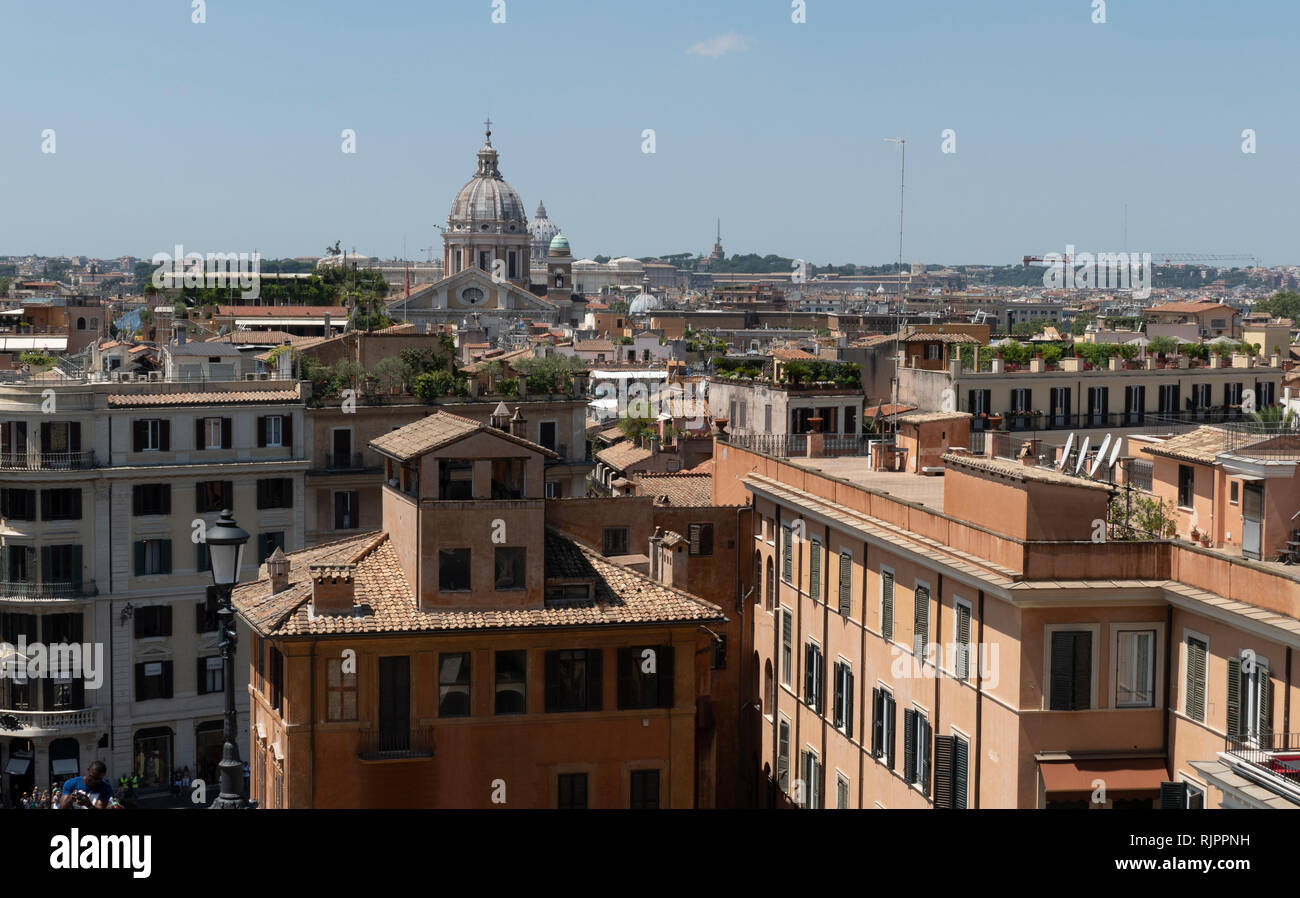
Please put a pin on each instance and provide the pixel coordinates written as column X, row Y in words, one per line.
column 1083, row 455
column 1101, row 456
column 1114, row 454
column 1069, row 442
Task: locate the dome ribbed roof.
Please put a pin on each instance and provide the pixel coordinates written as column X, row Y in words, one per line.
column 558, row 242
column 486, row 197
column 541, row 227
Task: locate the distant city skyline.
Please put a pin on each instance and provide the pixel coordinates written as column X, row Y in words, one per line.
column 228, row 135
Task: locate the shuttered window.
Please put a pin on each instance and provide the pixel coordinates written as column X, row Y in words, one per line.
column 962, row 624
column 1194, row 688
column 882, row 726
column 916, row 749
column 951, row 759
column 787, row 554
column 921, row 616
column 701, row 539
column 1250, row 701
column 812, row 682
column 1071, row 679
column 783, row 757
column 815, row 569
column 887, row 604
column 843, row 709
column 846, row 583
column 787, row 645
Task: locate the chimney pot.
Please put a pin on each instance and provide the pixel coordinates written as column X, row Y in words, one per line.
column 277, row 567
column 332, row 588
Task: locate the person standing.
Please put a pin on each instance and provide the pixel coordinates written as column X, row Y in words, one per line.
column 88, row 791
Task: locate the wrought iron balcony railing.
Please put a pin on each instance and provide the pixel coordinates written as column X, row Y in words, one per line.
column 1276, row 753
column 23, row 590
column 390, row 745
column 35, row 460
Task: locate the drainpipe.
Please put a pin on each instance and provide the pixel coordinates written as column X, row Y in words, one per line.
column 311, row 771
column 1169, row 626
column 979, row 702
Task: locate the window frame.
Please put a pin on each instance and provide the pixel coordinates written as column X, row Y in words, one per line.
column 1184, row 670
column 959, row 602
column 1094, row 664
column 887, row 634
column 462, row 684
column 1157, row 653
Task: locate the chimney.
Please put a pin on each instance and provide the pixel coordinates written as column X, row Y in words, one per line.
column 518, row 424
column 501, row 417
column 328, row 332
column 654, row 445
column 278, row 568
column 332, row 589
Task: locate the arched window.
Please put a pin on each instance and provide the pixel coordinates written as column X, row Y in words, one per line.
column 771, row 586
column 769, row 688
column 758, row 577
column 81, row 324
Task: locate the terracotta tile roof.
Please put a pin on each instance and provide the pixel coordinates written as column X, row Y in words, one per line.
column 261, row 338
column 1191, row 307
column 790, row 355
column 886, row 409
column 622, row 456
column 283, row 311
column 611, row 434
column 704, row 467
column 1019, row 472
column 593, row 346
column 385, row 604
column 1200, row 445
column 681, row 490
column 928, row 417
column 438, row 430
column 129, row 400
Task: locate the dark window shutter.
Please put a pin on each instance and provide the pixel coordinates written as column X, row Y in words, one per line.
column 139, row 558
column 226, row 433
column 665, row 668
column 76, row 578
column 139, row 431
column 47, row 565
column 139, row 682
column 1173, row 796
column 1234, row 698
column 944, row 749
column 288, row 492
column 595, row 692
column 261, row 494
column 848, row 700
column 807, row 672
column 166, row 678
column 200, row 440
column 137, row 500
column 891, row 715
column 887, row 605
column 846, row 583
column 924, row 772
column 960, row 769
column 166, row 498
column 165, row 435
column 553, row 692
column 165, row 560
column 1062, row 680
column 909, row 745
column 1083, row 670
column 201, row 669
column 1194, row 701
column 877, row 721
column 815, row 569
column 261, row 431
column 286, row 431
column 921, row 617
column 76, row 505
column 837, row 707
column 45, row 436
column 963, row 642
column 45, row 505
column 1265, row 708
column 74, row 436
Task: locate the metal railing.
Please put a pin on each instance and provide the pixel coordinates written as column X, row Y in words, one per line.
column 22, row 590
column 388, row 745
column 343, row 461
column 796, row 444
column 1138, row 472
column 1155, row 422
column 35, row 460
column 1272, row 440
column 1277, row 753
column 49, row 721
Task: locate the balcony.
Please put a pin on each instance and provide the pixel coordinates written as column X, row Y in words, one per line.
column 395, row 745
column 34, row 460
column 1272, row 757
column 52, row 590
column 1153, row 421
column 33, row 723
column 795, row 445
column 1268, row 441
column 344, row 461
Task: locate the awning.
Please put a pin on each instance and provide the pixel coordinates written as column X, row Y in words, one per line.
column 63, row 766
column 18, row 766
column 1117, row 774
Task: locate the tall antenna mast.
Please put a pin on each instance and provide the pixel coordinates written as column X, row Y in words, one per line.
column 902, row 292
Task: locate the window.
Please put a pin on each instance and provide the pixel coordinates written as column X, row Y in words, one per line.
column 844, row 697
column 916, row 749
column 546, row 434
column 951, row 766
column 882, row 726
column 1070, row 685
column 645, row 789
column 274, row 677
column 719, row 653
column 645, row 677
column 346, row 516
column 275, row 430
column 511, row 682
column 213, row 495
column 961, row 636
column 267, row 543
column 151, row 498
column 59, row 504
column 846, row 584
column 769, row 599
column 573, row 680
column 932, row 352
column 812, row 675
column 153, row 679
column 887, row 604
column 1233, row 494
column 453, row 570
column 210, row 675
column 511, row 567
column 1135, row 671
column 815, row 569
column 1250, row 700
column 841, row 792
column 571, row 791
column 701, row 538
column 205, row 612
column 812, row 780
column 212, row 433
column 153, row 620
column 787, row 553
column 783, row 756
column 453, row 684
column 615, row 541
column 153, row 556
column 1195, row 658
column 507, row 478
column 921, row 618
column 275, row 492
column 18, row 504
column 455, row 479
column 61, row 564
column 1186, row 482
column 787, row 644
column 340, row 691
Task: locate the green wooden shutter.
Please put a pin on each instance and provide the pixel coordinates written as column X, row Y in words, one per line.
column 807, row 672
column 1265, row 708
column 963, row 641
column 1234, row 698
column 909, row 745
column 960, row 770
column 921, row 618
column 923, row 755
column 838, row 708
column 944, row 750
column 887, row 604
column 1194, row 700
column 787, row 554
column 846, row 583
column 1173, row 796
column 815, row 569
column 891, row 716
column 877, row 721
column 848, row 700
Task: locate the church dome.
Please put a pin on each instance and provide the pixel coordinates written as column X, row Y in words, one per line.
column 645, row 301
column 487, row 201
column 542, row 228
column 559, row 243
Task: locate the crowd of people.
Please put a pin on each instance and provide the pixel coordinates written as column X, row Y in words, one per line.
column 91, row 790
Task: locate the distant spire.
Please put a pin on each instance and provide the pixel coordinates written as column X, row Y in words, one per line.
column 487, row 126
column 719, row 240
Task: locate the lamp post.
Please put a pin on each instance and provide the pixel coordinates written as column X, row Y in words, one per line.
column 226, row 543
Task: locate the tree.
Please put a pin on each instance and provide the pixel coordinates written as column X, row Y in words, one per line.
column 1133, row 516
column 551, row 374
column 1163, row 346
column 435, row 384
column 1283, row 304
column 1079, row 326
column 634, row 428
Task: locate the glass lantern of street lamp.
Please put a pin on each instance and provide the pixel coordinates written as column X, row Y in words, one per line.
column 226, row 542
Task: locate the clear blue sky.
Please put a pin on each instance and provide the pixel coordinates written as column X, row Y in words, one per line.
column 225, row 136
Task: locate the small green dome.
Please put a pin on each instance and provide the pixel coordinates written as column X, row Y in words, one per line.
column 559, row 241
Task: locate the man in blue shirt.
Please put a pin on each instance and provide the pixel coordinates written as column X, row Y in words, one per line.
column 89, row 791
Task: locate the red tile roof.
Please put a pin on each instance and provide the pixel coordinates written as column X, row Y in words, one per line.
column 215, row 397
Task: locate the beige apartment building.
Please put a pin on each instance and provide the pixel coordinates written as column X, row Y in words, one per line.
column 969, row 641
column 104, row 487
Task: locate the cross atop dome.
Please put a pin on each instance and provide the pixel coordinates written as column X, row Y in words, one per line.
column 487, row 126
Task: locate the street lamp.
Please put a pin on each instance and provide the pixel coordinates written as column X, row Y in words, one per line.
column 226, row 542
